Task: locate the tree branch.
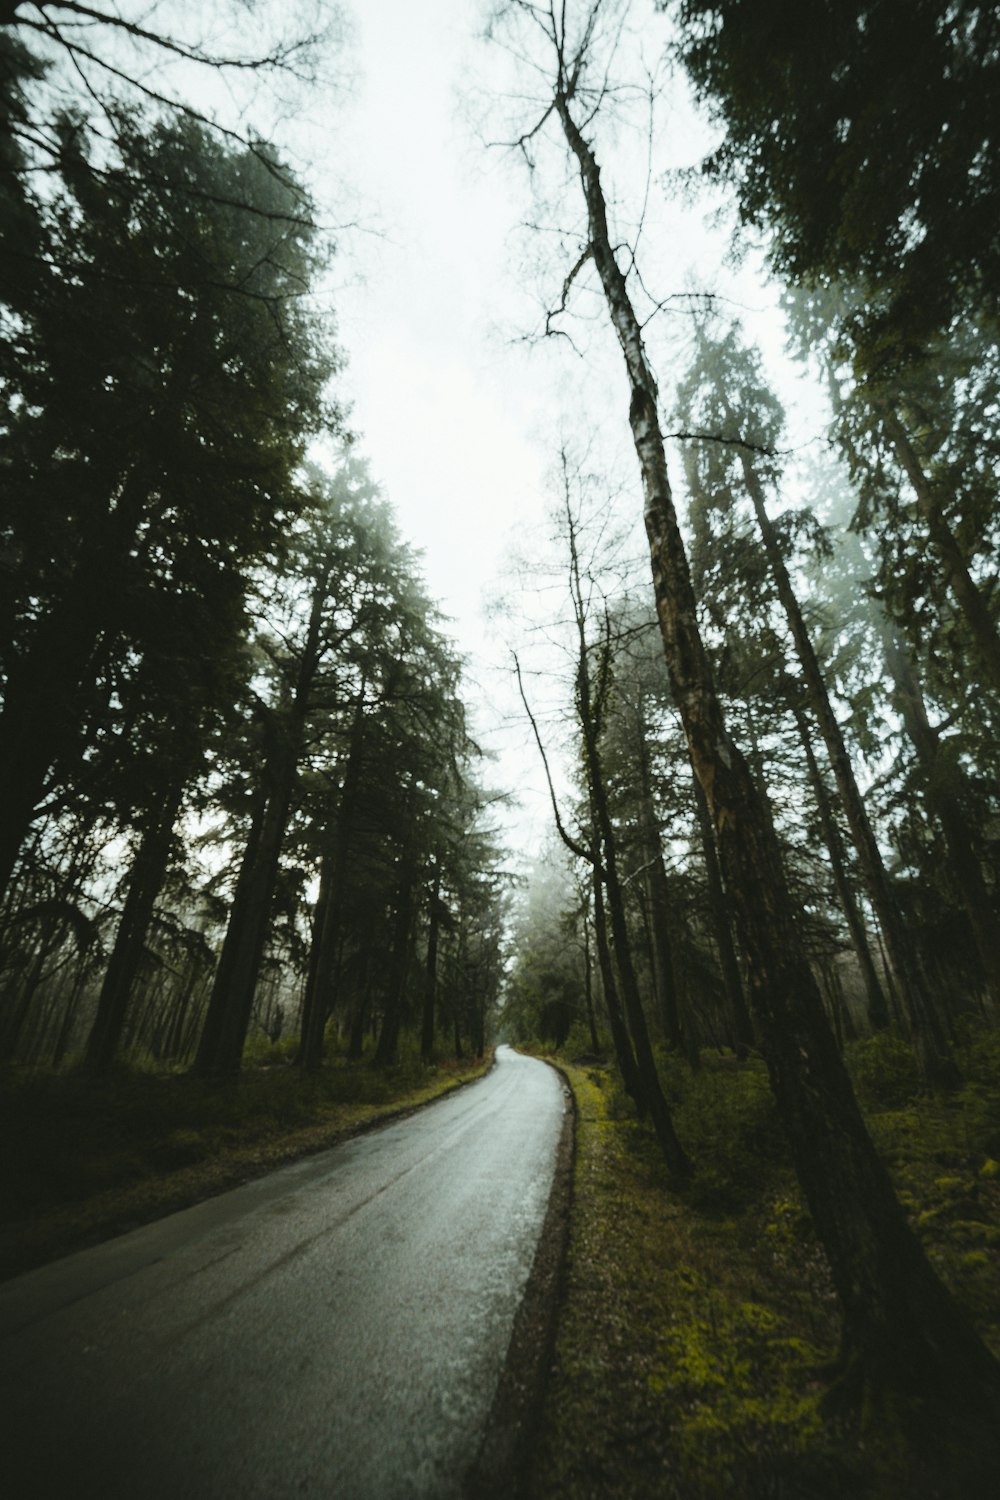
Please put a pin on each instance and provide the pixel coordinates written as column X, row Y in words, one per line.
column 568, row 840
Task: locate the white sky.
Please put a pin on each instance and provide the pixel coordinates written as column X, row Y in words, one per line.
column 460, row 420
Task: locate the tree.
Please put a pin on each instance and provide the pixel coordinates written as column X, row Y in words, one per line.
column 166, row 375
column 863, row 158
column 902, row 1330
column 725, row 393
column 333, row 590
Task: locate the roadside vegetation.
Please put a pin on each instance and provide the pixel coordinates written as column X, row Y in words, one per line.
column 81, row 1161
column 697, row 1324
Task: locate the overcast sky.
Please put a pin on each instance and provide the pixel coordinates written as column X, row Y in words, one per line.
column 459, row 418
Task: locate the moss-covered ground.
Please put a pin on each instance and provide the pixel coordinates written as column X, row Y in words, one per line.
column 695, row 1326
column 80, row 1160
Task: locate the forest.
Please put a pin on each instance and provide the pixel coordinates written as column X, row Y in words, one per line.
column 248, row 827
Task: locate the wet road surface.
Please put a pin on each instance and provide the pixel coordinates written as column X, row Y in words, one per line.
column 336, row 1329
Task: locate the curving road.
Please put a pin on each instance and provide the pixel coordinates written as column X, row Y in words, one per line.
column 335, row 1330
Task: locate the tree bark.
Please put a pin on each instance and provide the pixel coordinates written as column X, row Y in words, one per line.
column 902, row 1329
column 231, row 1003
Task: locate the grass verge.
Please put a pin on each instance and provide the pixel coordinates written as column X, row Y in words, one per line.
column 81, row 1161
column 693, row 1325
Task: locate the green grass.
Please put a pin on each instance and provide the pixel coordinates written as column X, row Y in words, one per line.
column 695, row 1326
column 81, row 1160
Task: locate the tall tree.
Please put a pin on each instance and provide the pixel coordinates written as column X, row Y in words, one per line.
column 902, row 1330
column 167, row 372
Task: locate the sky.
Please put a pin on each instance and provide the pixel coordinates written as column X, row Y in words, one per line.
column 433, row 295
column 437, row 288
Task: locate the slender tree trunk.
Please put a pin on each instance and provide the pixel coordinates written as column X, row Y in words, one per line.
column 967, row 595
column 318, row 1000
column 665, row 978
column 145, row 883
column 928, row 1040
column 430, row 969
column 902, row 1329
column 360, row 1013
column 946, row 806
column 588, row 986
column 878, row 1014
column 648, row 1078
column 612, row 1004
column 388, row 1040
column 740, row 1018
column 69, row 1016
column 589, row 702
column 231, row 1001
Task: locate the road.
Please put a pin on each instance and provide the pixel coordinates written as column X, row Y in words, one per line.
column 336, row 1329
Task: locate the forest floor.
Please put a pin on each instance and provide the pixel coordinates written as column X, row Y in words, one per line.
column 694, row 1325
column 81, row 1161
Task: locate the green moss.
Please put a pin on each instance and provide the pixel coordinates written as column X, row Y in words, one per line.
column 694, row 1324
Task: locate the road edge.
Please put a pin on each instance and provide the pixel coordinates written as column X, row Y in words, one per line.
column 499, row 1469
column 229, row 1171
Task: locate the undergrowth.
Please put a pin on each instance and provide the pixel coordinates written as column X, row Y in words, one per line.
column 695, row 1325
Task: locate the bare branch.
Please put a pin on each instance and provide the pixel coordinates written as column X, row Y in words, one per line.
column 567, row 838
column 566, row 287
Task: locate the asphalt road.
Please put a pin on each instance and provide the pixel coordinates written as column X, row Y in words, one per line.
column 336, row 1329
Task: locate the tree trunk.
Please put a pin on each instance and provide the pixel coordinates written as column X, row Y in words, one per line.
column 318, row 1000
column 665, row 978
column 902, row 1329
column 41, row 710
column 430, row 969
column 648, row 1078
column 360, row 1013
column 742, row 1023
column 928, row 1041
column 947, row 808
column 967, row 596
column 231, row 1001
column 388, row 1040
column 878, row 1014
column 619, row 1032
column 145, row 883
column 588, row 985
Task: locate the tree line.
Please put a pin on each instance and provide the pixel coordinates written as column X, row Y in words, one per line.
column 823, row 675
column 240, row 797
